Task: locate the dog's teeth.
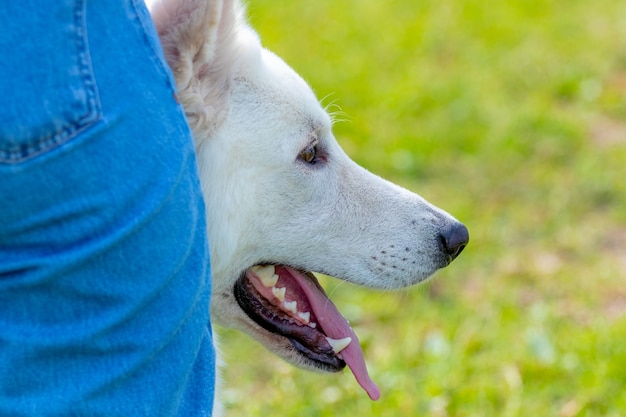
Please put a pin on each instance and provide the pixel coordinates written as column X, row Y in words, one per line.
column 260, row 270
column 312, row 325
column 338, row 344
column 279, row 293
column 269, row 282
column 291, row 306
column 306, row 316
column 267, row 275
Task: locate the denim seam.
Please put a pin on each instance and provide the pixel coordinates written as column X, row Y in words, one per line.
column 155, row 52
column 24, row 152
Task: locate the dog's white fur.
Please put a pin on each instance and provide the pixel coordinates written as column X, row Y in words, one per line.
column 251, row 117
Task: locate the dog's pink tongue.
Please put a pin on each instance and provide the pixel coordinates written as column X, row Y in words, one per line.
column 337, row 327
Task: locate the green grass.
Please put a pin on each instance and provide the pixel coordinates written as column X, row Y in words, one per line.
column 512, row 116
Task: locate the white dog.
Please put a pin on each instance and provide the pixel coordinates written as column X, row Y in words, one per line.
column 283, row 198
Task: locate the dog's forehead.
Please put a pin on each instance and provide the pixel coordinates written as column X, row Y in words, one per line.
column 278, row 80
column 271, row 115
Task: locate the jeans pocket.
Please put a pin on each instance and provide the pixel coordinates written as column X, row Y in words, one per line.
column 46, row 80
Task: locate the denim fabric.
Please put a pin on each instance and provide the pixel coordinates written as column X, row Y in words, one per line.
column 104, row 273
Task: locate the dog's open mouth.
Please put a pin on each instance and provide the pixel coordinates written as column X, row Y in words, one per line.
column 292, row 303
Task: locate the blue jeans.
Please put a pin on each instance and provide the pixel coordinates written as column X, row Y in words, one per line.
column 104, row 272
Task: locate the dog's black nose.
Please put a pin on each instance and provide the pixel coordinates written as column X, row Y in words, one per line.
column 454, row 238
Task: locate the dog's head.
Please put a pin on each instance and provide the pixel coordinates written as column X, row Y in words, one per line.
column 283, row 198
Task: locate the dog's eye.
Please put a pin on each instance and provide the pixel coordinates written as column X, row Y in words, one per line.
column 309, row 155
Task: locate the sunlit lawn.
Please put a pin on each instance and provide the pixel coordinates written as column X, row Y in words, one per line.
column 512, row 116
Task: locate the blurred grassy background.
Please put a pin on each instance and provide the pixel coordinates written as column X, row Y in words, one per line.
column 512, row 116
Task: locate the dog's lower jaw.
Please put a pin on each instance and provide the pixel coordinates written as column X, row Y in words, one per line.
column 304, row 335
column 288, row 303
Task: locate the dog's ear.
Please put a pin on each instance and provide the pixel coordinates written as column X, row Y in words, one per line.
column 198, row 39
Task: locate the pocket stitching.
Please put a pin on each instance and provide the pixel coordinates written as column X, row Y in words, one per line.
column 23, row 152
